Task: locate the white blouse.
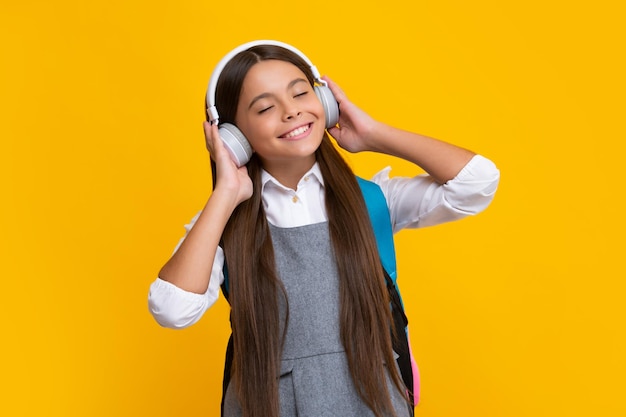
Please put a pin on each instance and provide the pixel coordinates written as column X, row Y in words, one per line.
column 413, row 203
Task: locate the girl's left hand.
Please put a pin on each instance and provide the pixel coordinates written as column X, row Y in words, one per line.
column 355, row 127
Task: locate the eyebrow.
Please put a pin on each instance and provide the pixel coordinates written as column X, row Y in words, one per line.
column 265, row 95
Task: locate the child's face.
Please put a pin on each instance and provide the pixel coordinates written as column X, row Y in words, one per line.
column 280, row 114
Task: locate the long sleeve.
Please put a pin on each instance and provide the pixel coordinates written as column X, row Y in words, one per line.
column 176, row 308
column 420, row 201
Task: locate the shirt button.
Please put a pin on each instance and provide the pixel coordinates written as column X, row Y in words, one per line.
column 294, row 199
column 306, row 178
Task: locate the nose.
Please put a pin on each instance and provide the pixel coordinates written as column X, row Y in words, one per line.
column 291, row 113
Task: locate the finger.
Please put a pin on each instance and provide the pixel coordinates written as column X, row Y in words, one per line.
column 210, row 135
column 334, row 131
column 207, row 131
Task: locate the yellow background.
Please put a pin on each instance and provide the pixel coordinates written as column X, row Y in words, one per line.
column 516, row 312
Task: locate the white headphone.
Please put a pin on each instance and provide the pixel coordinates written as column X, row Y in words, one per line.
column 234, row 140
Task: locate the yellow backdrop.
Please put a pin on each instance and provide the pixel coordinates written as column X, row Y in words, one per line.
column 516, row 312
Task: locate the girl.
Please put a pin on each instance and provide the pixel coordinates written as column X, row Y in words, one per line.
column 309, row 307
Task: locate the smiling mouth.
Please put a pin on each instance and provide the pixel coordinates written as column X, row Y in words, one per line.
column 296, row 132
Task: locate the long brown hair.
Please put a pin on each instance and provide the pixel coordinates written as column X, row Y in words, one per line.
column 255, row 288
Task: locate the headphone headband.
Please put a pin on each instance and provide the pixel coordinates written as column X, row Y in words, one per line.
column 210, row 94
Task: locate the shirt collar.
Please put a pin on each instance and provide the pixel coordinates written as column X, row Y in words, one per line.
column 315, row 171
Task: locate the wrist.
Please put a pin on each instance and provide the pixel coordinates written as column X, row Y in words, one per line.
column 225, row 196
column 376, row 136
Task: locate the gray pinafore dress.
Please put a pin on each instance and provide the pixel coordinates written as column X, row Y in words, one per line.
column 314, row 376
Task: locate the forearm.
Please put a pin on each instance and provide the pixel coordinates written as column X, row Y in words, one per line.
column 190, row 266
column 441, row 160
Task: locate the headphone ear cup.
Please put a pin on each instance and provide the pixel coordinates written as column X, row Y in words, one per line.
column 331, row 107
column 236, row 143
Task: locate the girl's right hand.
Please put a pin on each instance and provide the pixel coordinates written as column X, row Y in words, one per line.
column 231, row 182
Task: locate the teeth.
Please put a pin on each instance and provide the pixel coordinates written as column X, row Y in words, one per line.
column 297, row 132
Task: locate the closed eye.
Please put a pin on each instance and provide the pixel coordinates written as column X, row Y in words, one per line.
column 301, row 94
column 265, row 109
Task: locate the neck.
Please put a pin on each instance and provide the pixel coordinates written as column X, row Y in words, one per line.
column 289, row 173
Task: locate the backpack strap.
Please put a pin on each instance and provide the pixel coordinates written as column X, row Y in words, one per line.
column 381, row 223
column 383, row 230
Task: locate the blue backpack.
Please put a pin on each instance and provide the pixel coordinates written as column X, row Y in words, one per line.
column 383, row 231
